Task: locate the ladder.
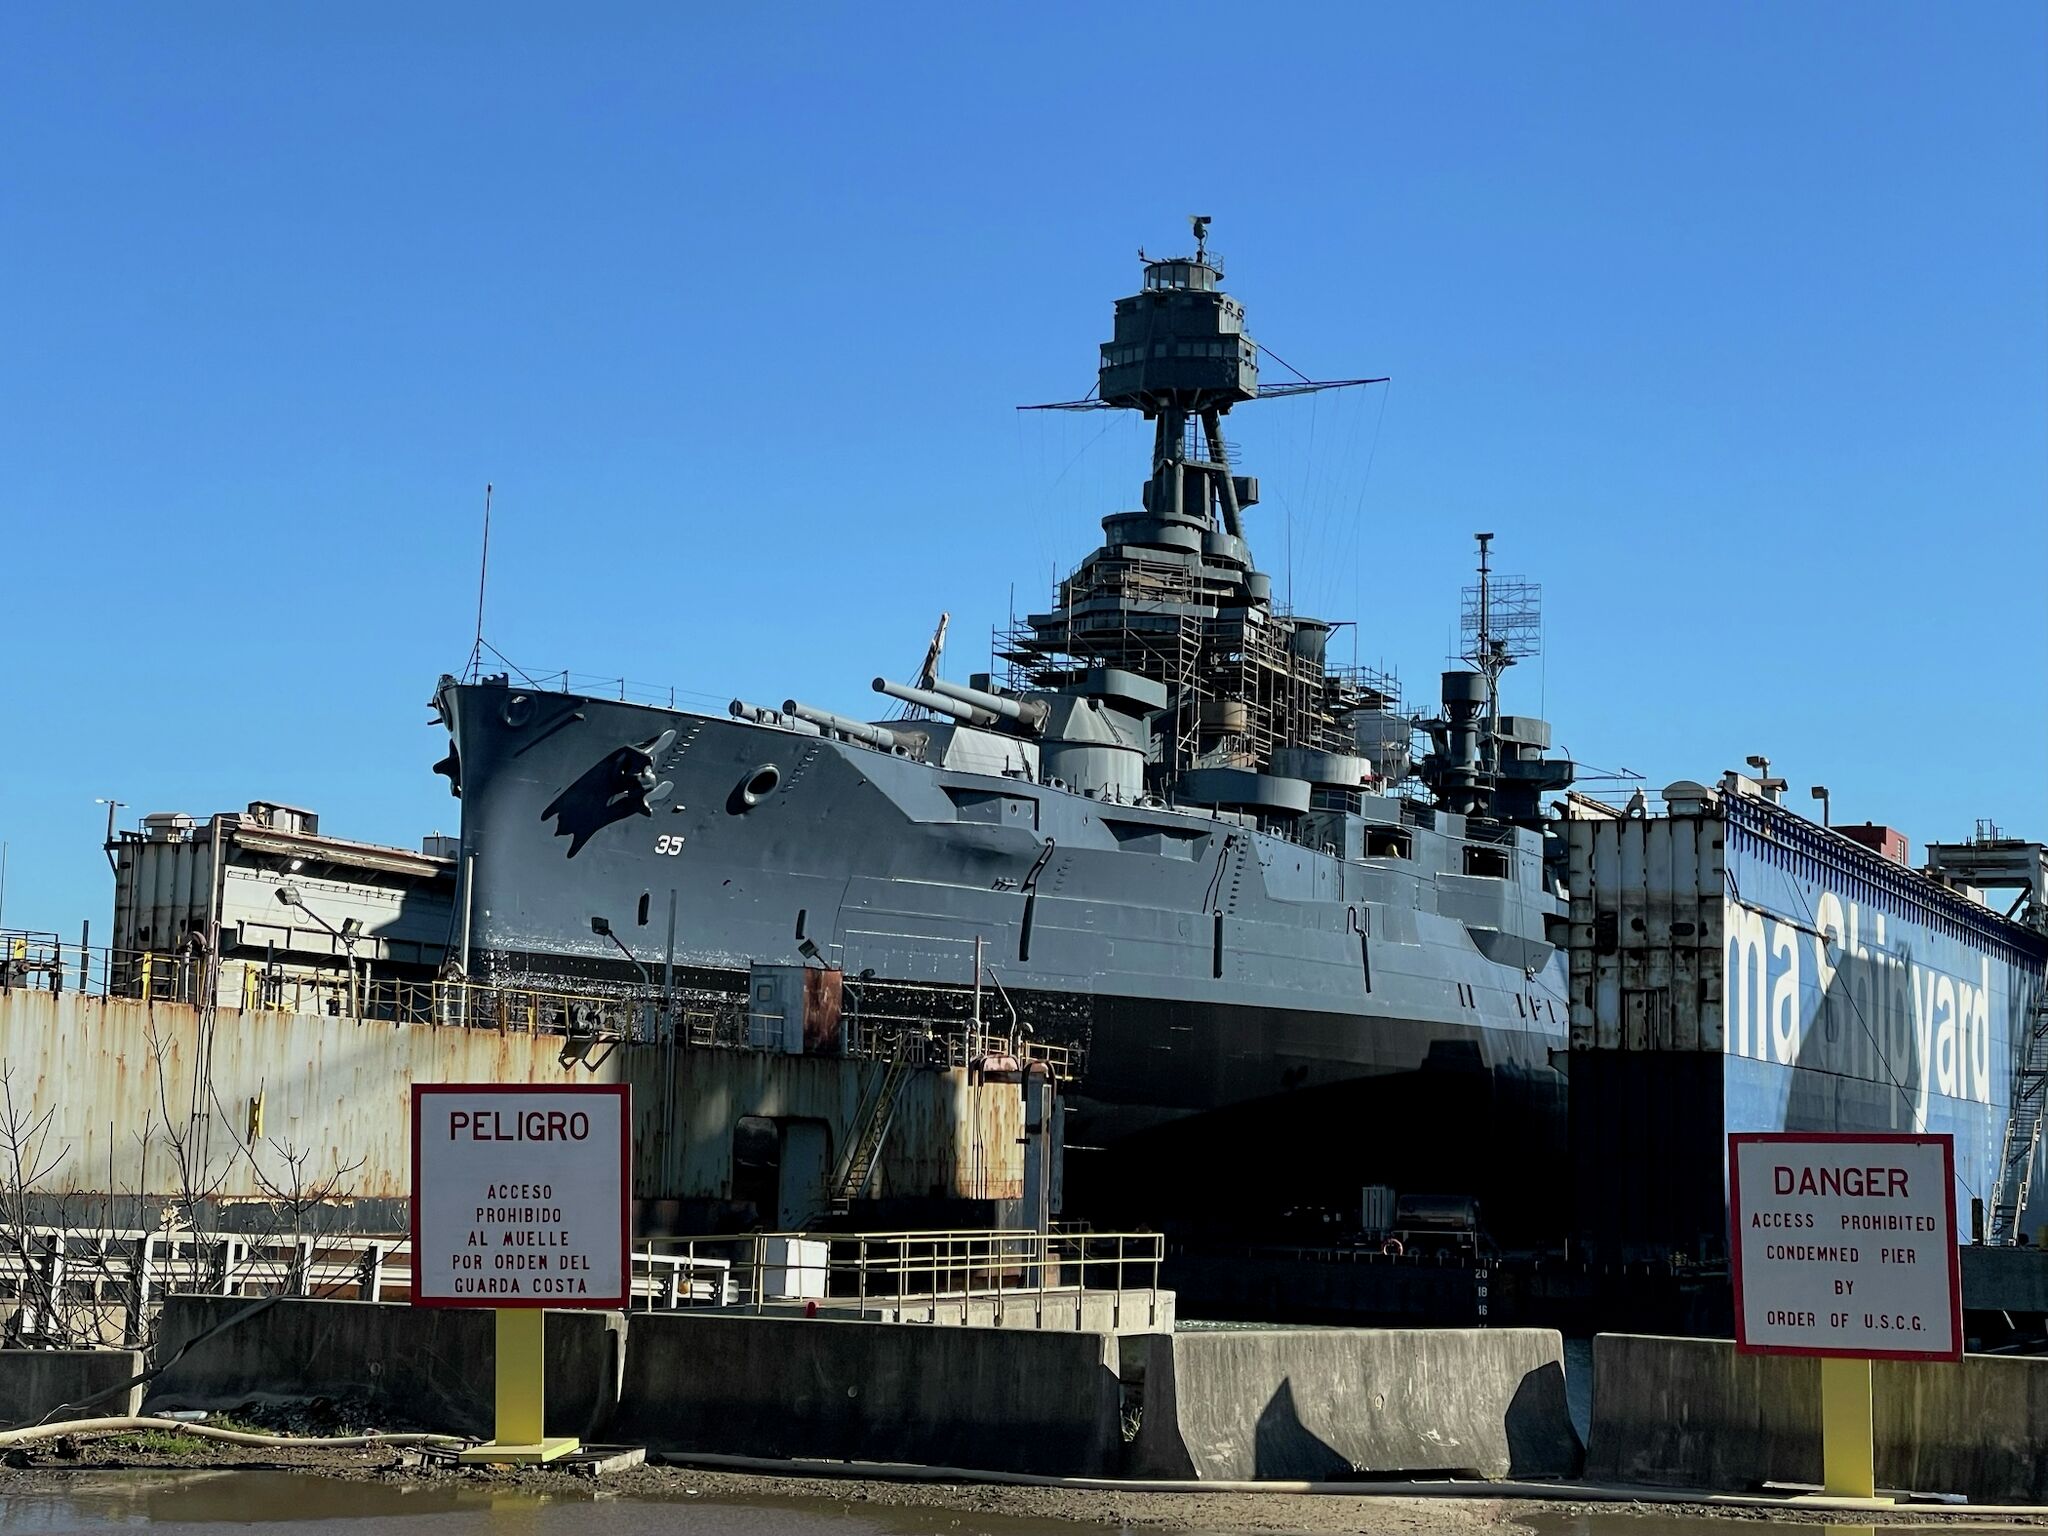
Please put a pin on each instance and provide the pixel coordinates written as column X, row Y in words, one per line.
column 2022, row 1127
column 878, row 1109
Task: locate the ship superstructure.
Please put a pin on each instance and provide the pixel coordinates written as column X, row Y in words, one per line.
column 1179, row 839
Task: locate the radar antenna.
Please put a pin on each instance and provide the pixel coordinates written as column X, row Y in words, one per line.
column 1501, row 623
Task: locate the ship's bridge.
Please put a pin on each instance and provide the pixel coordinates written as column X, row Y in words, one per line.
column 1180, row 272
column 1179, row 343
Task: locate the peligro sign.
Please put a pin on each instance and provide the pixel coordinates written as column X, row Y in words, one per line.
column 1845, row 1245
column 521, row 1195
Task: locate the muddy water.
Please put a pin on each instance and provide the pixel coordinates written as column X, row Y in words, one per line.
column 1650, row 1523
column 245, row 1503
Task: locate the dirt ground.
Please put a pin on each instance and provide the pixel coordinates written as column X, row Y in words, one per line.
column 47, row 1466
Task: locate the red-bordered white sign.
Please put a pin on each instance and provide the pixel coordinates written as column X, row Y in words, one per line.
column 522, row 1194
column 1845, row 1245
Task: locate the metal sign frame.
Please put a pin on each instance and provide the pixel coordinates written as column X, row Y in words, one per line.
column 624, row 1094
column 1953, row 1349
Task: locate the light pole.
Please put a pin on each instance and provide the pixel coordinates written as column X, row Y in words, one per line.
column 350, row 930
column 602, row 927
column 112, row 806
column 1773, row 789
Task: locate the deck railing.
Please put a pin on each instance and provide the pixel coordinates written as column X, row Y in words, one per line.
column 964, row 1275
column 73, row 1284
column 944, row 1036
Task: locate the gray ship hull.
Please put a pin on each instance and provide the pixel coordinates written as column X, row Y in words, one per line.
column 1267, row 1024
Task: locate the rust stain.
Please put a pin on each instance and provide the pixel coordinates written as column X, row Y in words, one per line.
column 342, row 1088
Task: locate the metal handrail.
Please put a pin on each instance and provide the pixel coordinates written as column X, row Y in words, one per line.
column 44, row 962
column 136, row 1267
column 950, row 1274
column 922, row 1276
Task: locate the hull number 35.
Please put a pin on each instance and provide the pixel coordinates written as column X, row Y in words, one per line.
column 670, row 845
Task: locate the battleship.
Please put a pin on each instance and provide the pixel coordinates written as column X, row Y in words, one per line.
column 1303, row 939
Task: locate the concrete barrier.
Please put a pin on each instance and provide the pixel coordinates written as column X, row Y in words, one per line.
column 1331, row 1402
column 1693, row 1413
column 996, row 1399
column 33, row 1381
column 2005, row 1279
column 430, row 1366
column 1276, row 1403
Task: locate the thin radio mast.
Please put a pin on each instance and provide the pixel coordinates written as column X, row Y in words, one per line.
column 1501, row 623
column 476, row 651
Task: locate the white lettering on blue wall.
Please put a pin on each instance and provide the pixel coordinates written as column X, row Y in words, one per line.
column 1848, row 995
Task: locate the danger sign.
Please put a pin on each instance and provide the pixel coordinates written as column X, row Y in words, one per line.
column 1845, row 1245
column 521, row 1195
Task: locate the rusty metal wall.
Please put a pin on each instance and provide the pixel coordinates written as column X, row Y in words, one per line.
column 162, row 890
column 115, row 1077
column 949, row 1137
column 1647, row 921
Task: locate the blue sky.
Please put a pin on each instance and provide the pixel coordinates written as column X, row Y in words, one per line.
column 1728, row 320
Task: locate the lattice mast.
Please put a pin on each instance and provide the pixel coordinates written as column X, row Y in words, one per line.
column 1500, row 623
column 1172, row 594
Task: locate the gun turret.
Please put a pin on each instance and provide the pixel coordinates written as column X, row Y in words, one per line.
column 937, row 702
column 852, row 730
column 1029, row 713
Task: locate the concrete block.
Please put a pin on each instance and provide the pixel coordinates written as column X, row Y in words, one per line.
column 33, row 1381
column 431, row 1366
column 1694, row 1413
column 1332, row 1402
column 996, row 1399
column 2005, row 1279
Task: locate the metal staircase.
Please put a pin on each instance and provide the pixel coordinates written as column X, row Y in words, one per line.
column 877, row 1111
column 2022, row 1127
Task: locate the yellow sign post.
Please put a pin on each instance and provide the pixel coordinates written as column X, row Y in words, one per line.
column 521, row 1431
column 1848, row 1435
column 521, row 1203
column 1844, row 1247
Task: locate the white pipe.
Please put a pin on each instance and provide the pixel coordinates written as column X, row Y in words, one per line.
column 468, row 907
column 118, row 1426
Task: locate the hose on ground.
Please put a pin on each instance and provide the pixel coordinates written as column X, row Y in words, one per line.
column 122, row 1426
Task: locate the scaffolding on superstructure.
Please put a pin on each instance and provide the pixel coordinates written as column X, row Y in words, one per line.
column 1237, row 689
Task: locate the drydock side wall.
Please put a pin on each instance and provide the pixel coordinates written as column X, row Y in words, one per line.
column 1736, row 968
column 125, row 1082
column 1695, row 1413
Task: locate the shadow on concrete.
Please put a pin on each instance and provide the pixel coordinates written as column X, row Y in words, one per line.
column 1284, row 1447
column 1538, row 1424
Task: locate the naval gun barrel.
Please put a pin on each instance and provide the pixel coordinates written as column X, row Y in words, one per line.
column 754, row 714
column 1029, row 713
column 852, row 730
column 967, row 714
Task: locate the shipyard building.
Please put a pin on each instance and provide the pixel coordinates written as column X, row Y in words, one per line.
column 301, row 916
column 1737, row 967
